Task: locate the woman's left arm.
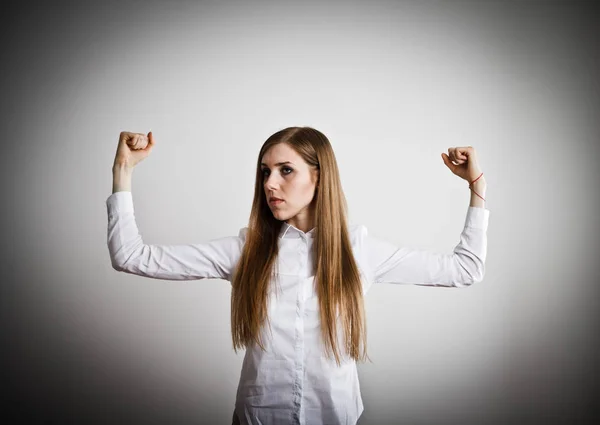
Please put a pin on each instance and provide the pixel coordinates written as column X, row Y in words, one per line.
column 465, row 265
column 462, row 267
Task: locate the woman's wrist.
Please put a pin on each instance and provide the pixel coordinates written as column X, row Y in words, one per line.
column 122, row 176
column 479, row 185
column 121, row 167
column 477, row 190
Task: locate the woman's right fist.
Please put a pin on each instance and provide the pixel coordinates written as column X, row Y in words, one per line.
column 132, row 148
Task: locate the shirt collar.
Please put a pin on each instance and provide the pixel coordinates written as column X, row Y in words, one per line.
column 289, row 231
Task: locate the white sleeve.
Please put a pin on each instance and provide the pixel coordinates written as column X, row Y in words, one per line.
column 216, row 258
column 465, row 266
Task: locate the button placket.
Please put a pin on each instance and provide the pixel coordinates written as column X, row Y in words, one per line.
column 302, row 253
column 299, row 345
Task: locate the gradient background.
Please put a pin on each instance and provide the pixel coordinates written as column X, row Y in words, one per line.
column 392, row 85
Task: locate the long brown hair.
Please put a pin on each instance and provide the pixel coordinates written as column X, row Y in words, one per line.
column 337, row 276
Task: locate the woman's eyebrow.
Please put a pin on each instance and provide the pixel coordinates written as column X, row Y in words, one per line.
column 279, row 163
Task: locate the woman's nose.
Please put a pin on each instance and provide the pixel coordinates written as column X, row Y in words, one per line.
column 271, row 182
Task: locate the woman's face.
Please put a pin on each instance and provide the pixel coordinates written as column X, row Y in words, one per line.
column 288, row 177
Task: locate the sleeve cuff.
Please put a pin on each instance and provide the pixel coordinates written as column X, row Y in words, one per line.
column 120, row 202
column 477, row 218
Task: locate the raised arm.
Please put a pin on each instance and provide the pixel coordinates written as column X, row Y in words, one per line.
column 465, row 265
column 128, row 253
column 401, row 265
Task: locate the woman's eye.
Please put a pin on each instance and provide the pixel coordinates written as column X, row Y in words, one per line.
column 266, row 170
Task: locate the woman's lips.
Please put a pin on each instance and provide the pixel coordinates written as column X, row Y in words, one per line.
column 276, row 202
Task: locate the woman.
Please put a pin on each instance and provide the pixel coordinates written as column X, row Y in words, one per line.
column 298, row 272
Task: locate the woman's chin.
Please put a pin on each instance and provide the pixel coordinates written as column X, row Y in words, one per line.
column 279, row 215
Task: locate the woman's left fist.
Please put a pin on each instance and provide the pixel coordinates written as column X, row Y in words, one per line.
column 462, row 161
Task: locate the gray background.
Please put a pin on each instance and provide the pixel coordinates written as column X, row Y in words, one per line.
column 393, row 85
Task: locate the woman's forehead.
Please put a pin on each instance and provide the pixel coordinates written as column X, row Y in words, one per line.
column 281, row 153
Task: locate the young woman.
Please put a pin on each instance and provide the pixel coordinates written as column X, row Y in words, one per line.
column 299, row 273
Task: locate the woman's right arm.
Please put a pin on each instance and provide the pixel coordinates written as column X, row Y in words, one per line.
column 216, row 258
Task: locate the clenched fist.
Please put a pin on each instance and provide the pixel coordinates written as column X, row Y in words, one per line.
column 133, row 148
column 463, row 162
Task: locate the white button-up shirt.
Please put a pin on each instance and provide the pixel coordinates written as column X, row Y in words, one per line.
column 292, row 382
